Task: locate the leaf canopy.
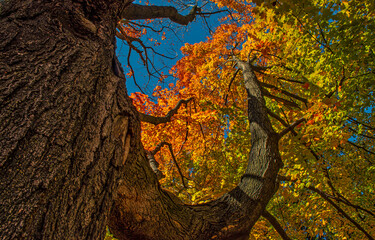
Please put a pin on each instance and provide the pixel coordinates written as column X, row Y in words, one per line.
column 315, row 60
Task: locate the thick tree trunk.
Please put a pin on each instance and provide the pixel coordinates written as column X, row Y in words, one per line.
column 63, row 118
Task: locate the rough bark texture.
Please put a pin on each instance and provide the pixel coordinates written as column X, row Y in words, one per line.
column 145, row 211
column 61, row 154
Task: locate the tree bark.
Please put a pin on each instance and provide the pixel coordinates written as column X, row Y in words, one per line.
column 63, row 118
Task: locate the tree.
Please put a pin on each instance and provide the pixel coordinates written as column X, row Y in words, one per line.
column 67, row 125
column 71, row 137
column 315, row 70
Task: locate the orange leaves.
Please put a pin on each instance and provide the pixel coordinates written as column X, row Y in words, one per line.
column 143, row 103
column 210, row 134
column 306, row 85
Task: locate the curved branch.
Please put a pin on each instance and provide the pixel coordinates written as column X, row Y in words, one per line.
column 229, row 217
column 137, row 12
column 158, row 120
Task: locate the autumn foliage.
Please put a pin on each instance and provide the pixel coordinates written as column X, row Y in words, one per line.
column 315, row 61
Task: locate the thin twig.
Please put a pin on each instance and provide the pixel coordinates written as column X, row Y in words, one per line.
column 157, row 149
column 230, row 84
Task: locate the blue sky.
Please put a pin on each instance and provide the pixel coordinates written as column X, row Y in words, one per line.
column 196, row 31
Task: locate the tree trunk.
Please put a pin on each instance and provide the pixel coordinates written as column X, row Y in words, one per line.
column 63, row 118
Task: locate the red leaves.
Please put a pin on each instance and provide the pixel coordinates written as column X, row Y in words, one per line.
column 306, row 85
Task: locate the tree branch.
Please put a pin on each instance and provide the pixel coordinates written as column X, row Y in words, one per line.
column 230, row 84
column 137, row 12
column 279, row 99
column 154, row 165
column 328, row 197
column 291, row 127
column 360, row 134
column 157, row 149
column 304, row 100
column 360, row 147
column 337, row 196
column 341, row 211
column 177, row 166
column 267, row 215
column 278, row 118
column 158, row 120
column 360, row 123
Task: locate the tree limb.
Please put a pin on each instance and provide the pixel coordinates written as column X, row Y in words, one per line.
column 304, row 100
column 177, row 166
column 360, row 134
column 360, row 147
column 360, row 123
column 341, row 211
column 279, row 99
column 154, row 165
column 157, row 149
column 291, row 127
column 137, row 12
column 276, row 225
column 328, row 198
column 230, row 84
column 158, row 120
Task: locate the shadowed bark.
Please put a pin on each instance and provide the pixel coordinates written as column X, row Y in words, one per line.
column 64, row 119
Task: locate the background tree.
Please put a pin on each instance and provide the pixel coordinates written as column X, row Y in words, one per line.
column 71, row 136
column 310, row 67
column 67, row 125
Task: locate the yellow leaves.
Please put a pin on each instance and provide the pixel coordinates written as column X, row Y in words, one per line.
column 204, row 116
column 345, row 3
